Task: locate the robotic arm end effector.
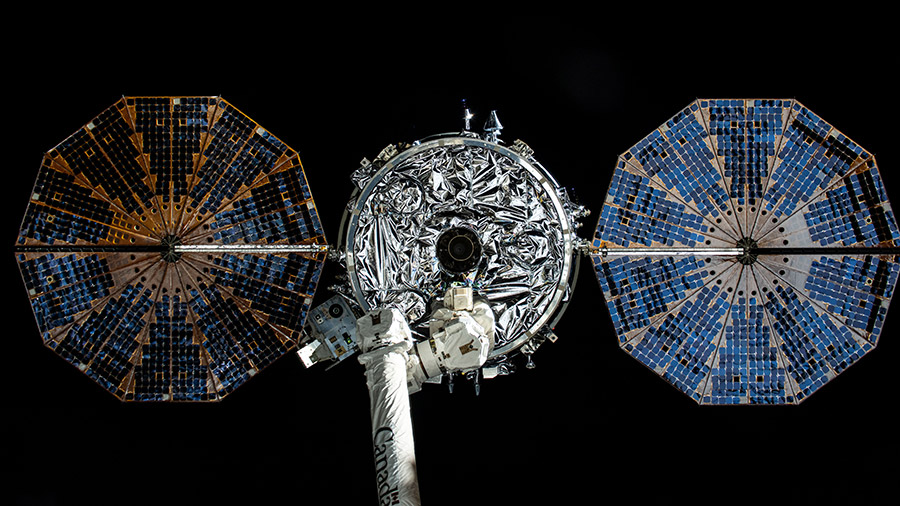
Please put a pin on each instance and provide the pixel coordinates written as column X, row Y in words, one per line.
column 461, row 340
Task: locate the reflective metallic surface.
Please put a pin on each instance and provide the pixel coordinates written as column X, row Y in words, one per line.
column 518, row 213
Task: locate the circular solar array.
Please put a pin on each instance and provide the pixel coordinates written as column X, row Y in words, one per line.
column 746, row 249
column 98, row 248
column 805, row 207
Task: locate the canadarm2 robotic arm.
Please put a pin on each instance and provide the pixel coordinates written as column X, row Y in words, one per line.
column 461, row 340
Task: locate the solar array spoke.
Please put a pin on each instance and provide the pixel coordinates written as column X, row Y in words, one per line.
column 66, row 210
column 680, row 346
column 745, row 135
column 100, row 248
column 639, row 290
column 237, row 154
column 855, row 289
column 816, row 345
column 812, row 156
column 277, row 209
column 640, row 213
column 679, row 157
column 804, row 241
column 853, row 211
column 748, row 367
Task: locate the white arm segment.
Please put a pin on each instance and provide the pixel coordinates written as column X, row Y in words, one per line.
column 462, row 336
column 385, row 340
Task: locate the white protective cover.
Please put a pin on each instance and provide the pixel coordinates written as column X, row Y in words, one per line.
column 460, row 340
column 386, row 339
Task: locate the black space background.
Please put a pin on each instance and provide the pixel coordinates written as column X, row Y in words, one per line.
column 589, row 424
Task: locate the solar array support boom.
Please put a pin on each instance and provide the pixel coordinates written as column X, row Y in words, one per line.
column 675, row 252
column 747, row 251
column 667, row 252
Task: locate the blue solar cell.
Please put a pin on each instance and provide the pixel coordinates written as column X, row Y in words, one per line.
column 680, row 158
column 637, row 213
column 746, row 366
column 853, row 212
column 238, row 343
column 189, row 374
column 680, row 346
column 745, row 139
column 152, row 376
column 63, row 211
column 147, row 173
column 219, row 320
column 784, row 173
column 113, row 134
column 237, row 153
column 64, row 286
column 171, row 366
column 811, row 157
column 638, row 289
column 276, row 210
column 814, row 346
column 107, row 159
column 855, row 289
column 277, row 286
column 102, row 344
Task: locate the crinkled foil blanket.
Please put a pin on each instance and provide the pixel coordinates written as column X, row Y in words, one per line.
column 461, row 186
